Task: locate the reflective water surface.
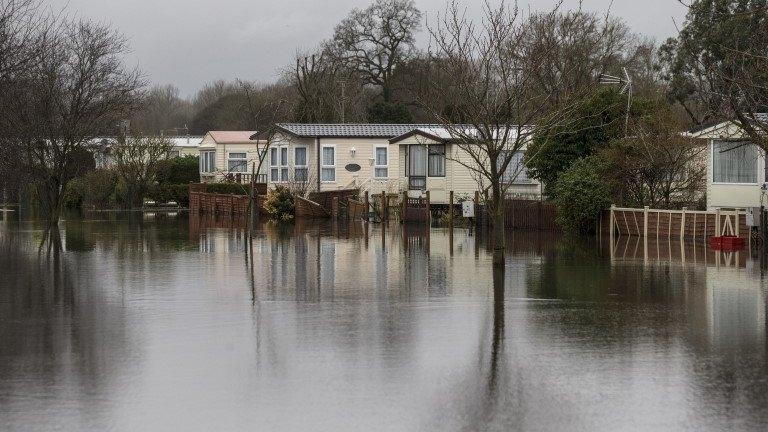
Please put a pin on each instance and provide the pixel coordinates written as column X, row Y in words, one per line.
column 165, row 323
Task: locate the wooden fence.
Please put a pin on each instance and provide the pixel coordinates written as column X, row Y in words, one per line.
column 203, row 202
column 530, row 214
column 415, row 209
column 684, row 224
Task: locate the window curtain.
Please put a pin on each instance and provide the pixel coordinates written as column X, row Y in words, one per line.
column 417, row 160
column 734, row 162
column 436, row 161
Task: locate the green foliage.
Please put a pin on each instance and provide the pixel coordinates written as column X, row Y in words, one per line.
column 179, row 170
column 721, row 42
column 595, row 123
column 163, row 193
column 389, row 112
column 279, row 203
column 96, row 189
column 229, row 188
column 580, row 194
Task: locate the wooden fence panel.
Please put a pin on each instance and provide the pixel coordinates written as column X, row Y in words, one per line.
column 676, row 223
column 530, row 214
column 415, row 210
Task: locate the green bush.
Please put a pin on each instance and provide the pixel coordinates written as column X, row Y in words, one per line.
column 581, row 194
column 179, row 170
column 96, row 189
column 229, row 188
column 163, row 193
column 279, row 203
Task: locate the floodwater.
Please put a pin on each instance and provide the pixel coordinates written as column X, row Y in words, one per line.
column 170, row 324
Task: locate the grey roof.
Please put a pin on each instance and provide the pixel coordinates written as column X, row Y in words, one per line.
column 351, row 130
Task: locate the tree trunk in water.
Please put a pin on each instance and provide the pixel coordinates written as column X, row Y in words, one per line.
column 497, row 219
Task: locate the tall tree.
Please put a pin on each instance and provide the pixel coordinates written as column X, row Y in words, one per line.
column 327, row 91
column 717, row 67
column 163, row 111
column 484, row 76
column 376, row 40
column 137, row 161
column 570, row 49
column 78, row 90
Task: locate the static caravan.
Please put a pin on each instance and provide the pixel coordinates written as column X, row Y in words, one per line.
column 736, row 168
column 230, row 156
column 337, row 156
column 434, row 161
column 381, row 157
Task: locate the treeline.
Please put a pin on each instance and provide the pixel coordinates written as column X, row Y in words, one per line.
column 371, row 71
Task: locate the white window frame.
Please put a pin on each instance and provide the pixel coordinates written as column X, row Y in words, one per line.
column 285, row 163
column 376, row 166
column 276, row 164
column 323, row 166
column 243, row 161
column 305, row 166
column 712, row 164
column 205, row 166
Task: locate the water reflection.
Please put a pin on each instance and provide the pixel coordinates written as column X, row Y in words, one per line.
column 162, row 322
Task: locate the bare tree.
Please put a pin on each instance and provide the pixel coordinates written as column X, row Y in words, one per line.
column 78, row 89
column 163, row 111
column 327, row 91
column 656, row 165
column 376, row 40
column 577, row 46
column 137, row 160
column 494, row 101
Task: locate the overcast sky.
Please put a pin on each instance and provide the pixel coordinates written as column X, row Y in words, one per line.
column 190, row 42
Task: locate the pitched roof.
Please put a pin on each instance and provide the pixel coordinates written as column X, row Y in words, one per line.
column 350, row 130
column 228, row 137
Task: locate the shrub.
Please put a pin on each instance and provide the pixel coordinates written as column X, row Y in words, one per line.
column 94, row 190
column 163, row 193
column 279, row 203
column 179, row 170
column 581, row 194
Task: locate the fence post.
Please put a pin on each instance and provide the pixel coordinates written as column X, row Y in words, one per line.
column 366, row 202
column 335, row 207
column 384, row 206
column 429, row 213
column 717, row 223
column 612, row 220
column 645, row 222
column 682, row 224
column 450, row 210
column 477, row 208
column 404, row 208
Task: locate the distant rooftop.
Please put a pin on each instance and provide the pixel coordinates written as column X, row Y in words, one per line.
column 228, row 137
column 351, row 130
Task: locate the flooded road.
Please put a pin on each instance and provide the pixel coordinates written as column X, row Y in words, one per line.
column 166, row 323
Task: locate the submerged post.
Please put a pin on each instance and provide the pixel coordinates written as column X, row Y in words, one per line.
column 645, row 222
column 682, row 224
column 477, row 208
column 429, row 213
column 403, row 206
column 718, row 233
column 384, row 206
column 611, row 219
column 450, row 211
column 366, row 202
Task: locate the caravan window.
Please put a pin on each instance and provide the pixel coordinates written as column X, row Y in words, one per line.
column 734, row 162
